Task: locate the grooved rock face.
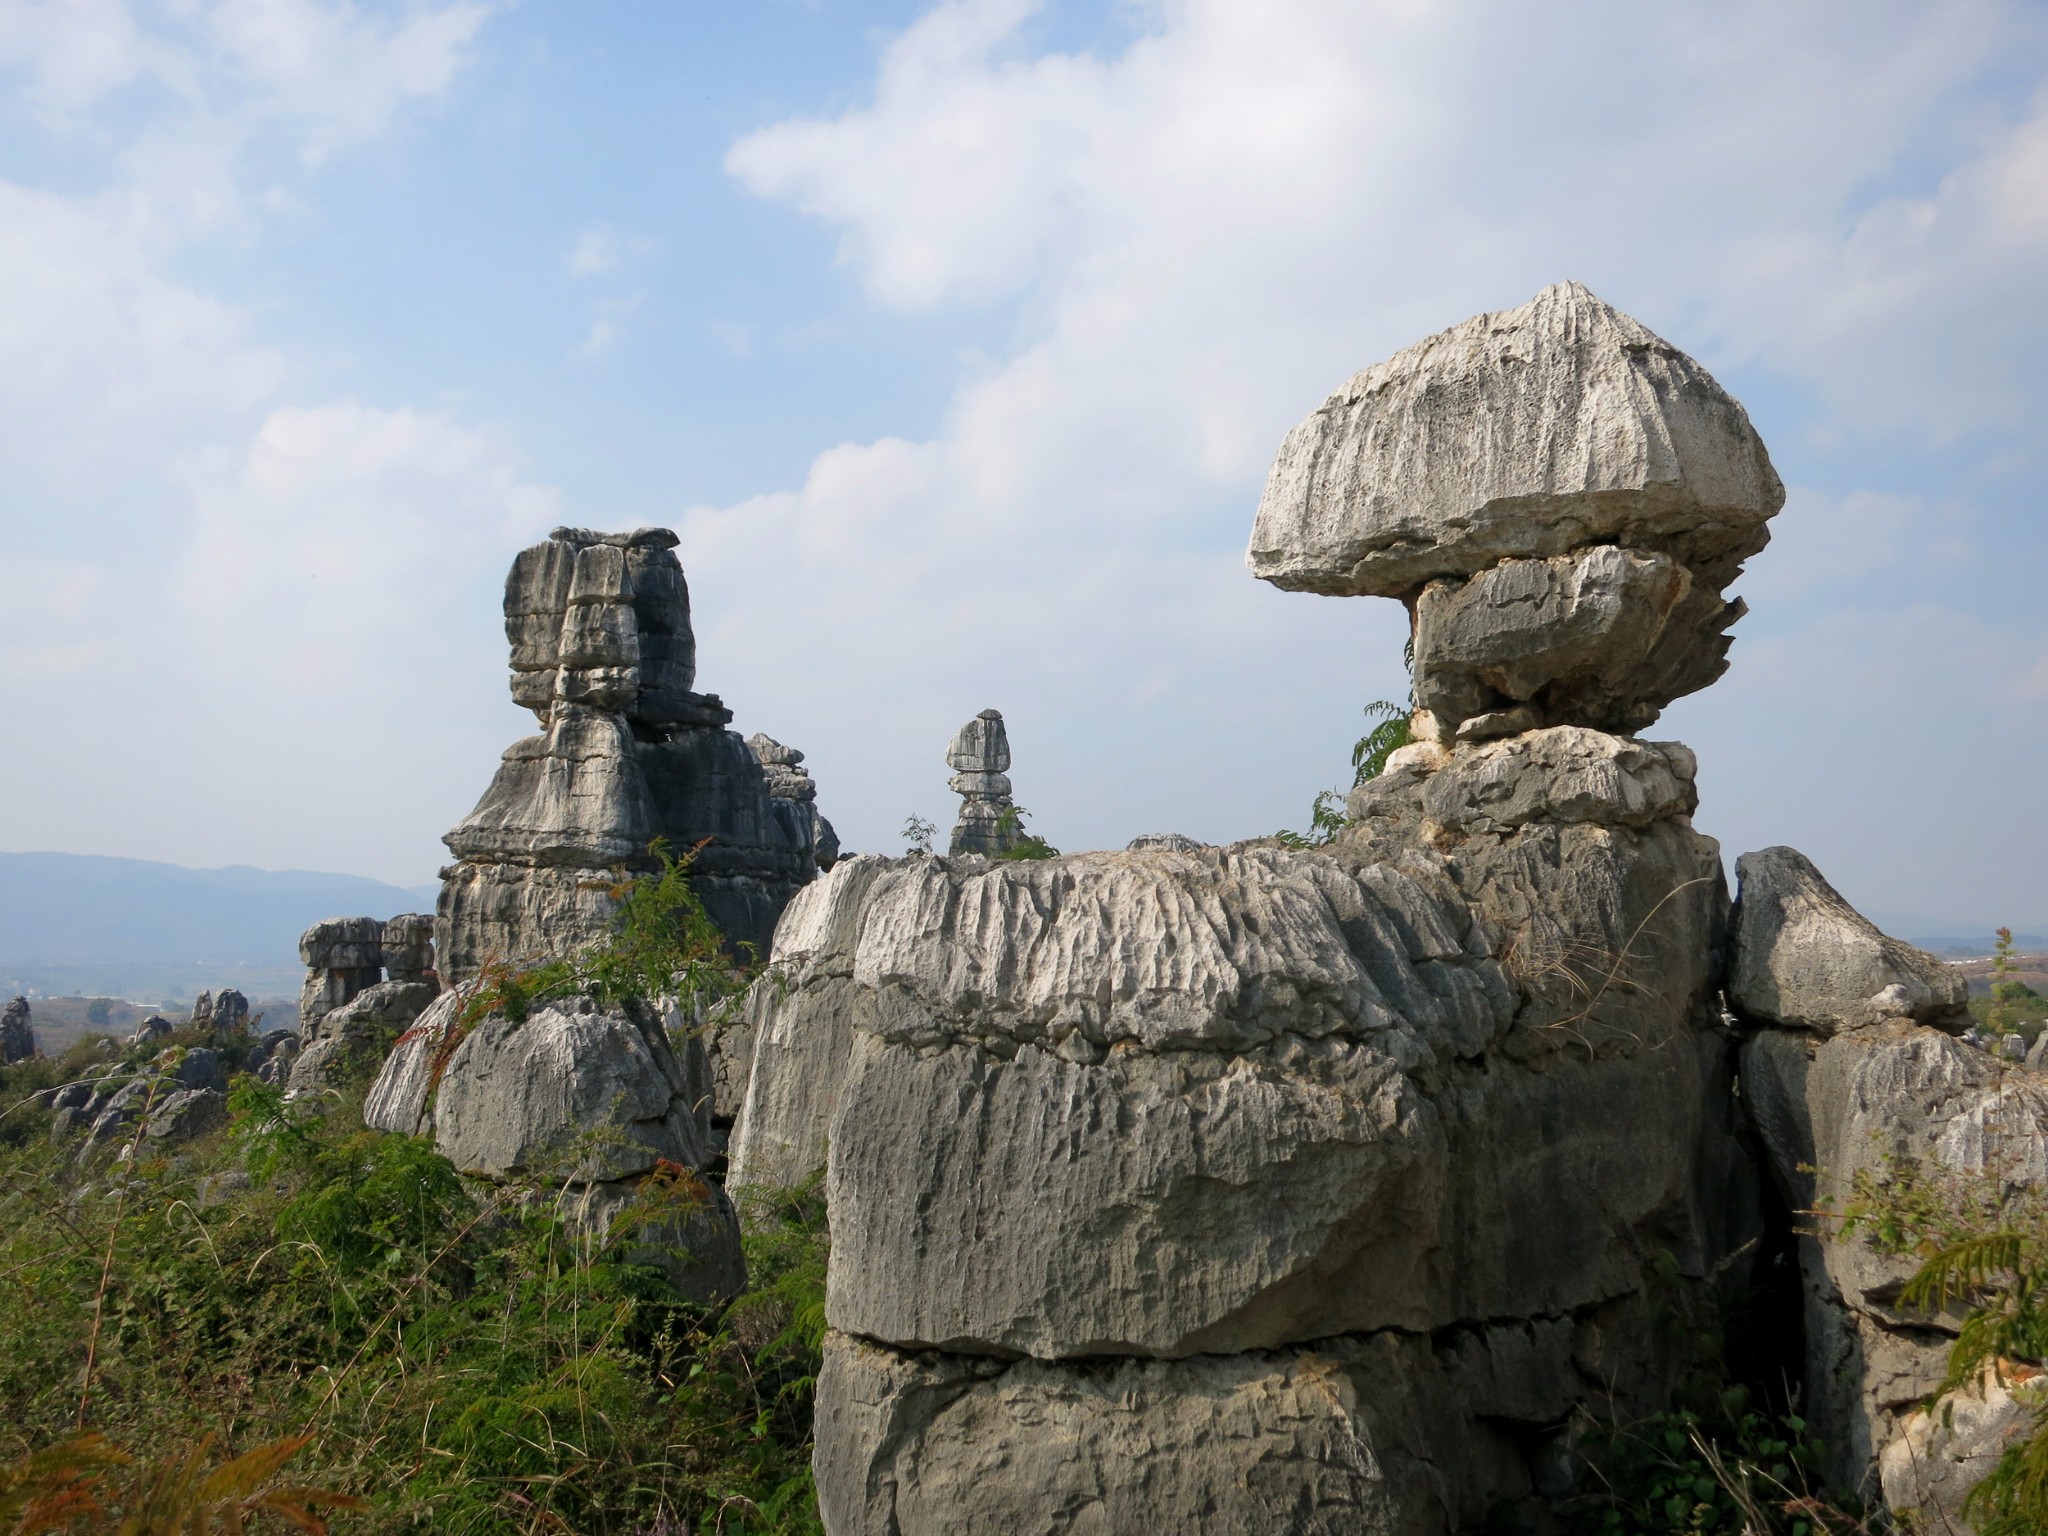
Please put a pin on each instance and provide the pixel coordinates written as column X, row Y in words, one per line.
column 1804, row 957
column 1525, row 433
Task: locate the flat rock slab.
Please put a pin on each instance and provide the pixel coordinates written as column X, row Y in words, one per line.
column 1524, row 433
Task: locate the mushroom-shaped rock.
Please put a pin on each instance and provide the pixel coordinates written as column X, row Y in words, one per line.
column 1558, row 495
column 1523, row 433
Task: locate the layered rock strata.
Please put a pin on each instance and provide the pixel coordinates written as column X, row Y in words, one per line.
column 1335, row 1173
column 1558, row 495
column 366, row 981
column 1855, row 1064
column 796, row 797
column 583, row 1104
column 979, row 756
column 603, row 654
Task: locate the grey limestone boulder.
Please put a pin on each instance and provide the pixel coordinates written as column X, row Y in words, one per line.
column 1605, row 637
column 1525, row 433
column 581, row 1098
column 1125, row 1149
column 185, row 1113
column 1805, row 958
column 353, row 1038
column 1827, row 1110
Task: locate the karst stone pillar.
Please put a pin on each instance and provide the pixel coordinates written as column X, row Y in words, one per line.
column 1263, row 1188
column 603, row 654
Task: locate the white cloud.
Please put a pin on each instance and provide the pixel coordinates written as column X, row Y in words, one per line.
column 602, row 249
column 608, row 324
column 1203, row 232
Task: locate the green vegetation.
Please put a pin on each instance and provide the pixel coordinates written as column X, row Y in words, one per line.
column 1029, row 845
column 2012, row 1007
column 1982, row 1239
column 1369, row 756
column 664, row 945
column 457, row 1356
column 1727, row 1470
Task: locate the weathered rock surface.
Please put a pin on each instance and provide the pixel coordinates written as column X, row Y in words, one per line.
column 1524, row 433
column 979, row 756
column 796, row 797
column 806, row 1008
column 1605, row 637
column 1826, row 1110
column 17, row 1035
column 578, row 1097
column 342, row 956
column 602, row 652
column 1155, row 1149
column 1943, row 1452
column 354, row 1037
column 1559, row 496
column 1807, row 959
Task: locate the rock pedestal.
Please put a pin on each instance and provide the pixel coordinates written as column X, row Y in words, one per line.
column 17, row 1035
column 602, row 653
column 980, row 759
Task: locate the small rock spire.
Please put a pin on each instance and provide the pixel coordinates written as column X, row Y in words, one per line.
column 980, row 757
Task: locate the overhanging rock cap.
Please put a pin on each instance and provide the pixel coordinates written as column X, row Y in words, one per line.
column 1522, row 433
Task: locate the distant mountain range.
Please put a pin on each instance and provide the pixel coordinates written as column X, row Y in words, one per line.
column 1948, row 936
column 83, row 924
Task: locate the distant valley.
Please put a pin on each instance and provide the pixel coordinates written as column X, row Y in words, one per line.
column 80, row 924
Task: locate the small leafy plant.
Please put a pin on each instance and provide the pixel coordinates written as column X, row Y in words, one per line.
column 1026, row 845
column 1369, row 756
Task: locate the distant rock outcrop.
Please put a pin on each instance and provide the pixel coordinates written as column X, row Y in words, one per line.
column 980, row 759
column 366, row 982
column 602, row 653
column 17, row 1035
column 796, row 797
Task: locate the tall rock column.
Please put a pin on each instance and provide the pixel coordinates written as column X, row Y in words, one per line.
column 602, row 653
column 1313, row 1189
column 979, row 756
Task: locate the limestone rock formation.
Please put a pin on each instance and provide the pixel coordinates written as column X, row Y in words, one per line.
column 366, row 981
column 356, row 1036
column 1835, row 1095
column 583, row 1099
column 602, row 652
column 17, row 1035
column 1258, row 1155
column 1944, row 1451
column 980, row 759
column 230, row 1012
column 342, row 956
column 1558, row 494
column 796, row 797
column 1806, row 959
column 1262, row 1187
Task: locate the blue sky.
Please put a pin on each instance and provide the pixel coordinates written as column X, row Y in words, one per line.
column 954, row 340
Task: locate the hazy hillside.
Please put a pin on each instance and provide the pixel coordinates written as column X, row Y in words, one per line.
column 74, row 923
